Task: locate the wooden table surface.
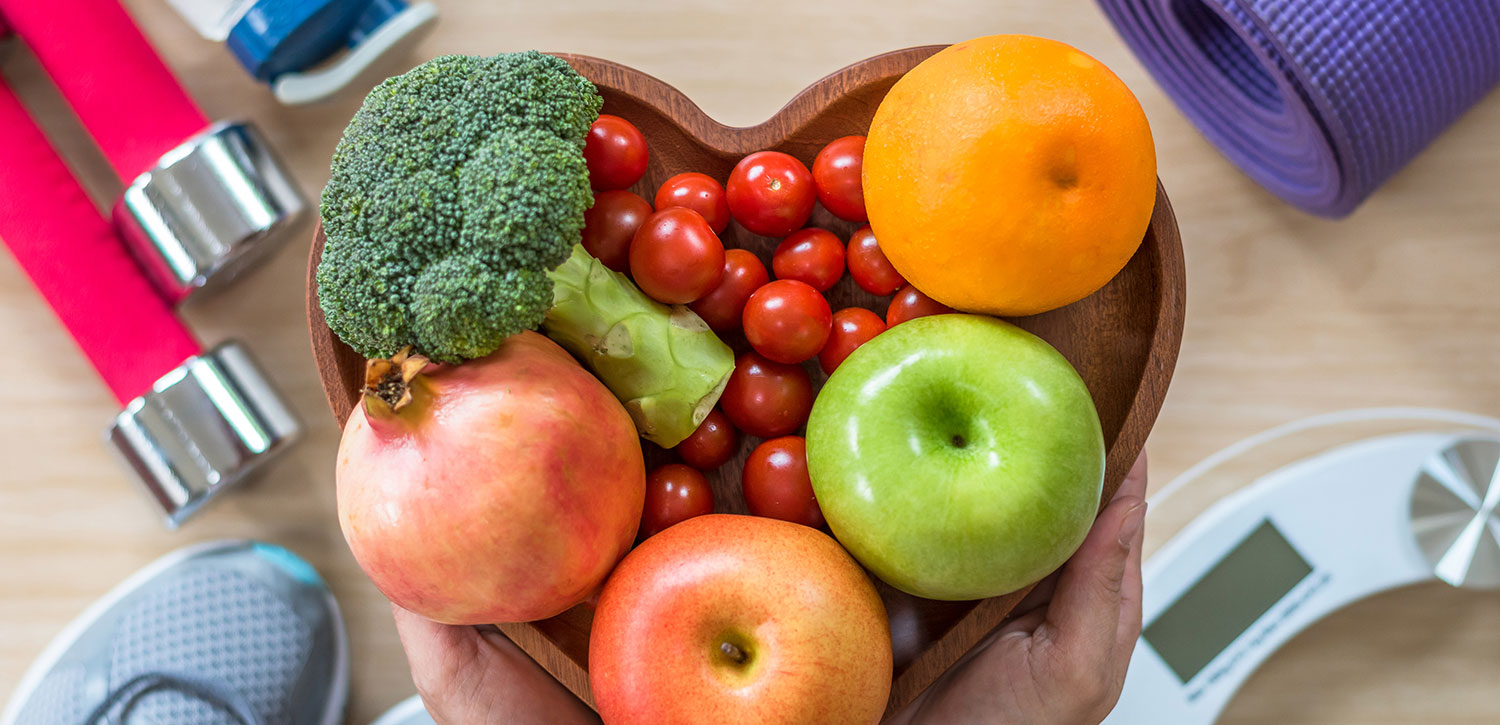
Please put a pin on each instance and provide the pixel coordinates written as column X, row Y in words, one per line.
column 1288, row 316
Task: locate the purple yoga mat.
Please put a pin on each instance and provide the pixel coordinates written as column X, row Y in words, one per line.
column 1320, row 101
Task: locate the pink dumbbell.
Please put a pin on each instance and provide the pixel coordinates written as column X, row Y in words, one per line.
column 203, row 200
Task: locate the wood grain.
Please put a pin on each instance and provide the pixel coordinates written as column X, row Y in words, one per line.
column 1123, row 339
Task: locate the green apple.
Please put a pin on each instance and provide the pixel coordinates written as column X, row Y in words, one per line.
column 956, row 457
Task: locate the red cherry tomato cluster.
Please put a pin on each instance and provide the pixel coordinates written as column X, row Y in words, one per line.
column 671, row 247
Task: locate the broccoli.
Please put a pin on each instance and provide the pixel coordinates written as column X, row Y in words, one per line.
column 456, row 187
column 453, row 213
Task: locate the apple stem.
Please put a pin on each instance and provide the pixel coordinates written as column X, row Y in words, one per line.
column 734, row 653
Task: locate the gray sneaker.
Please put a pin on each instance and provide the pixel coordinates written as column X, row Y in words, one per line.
column 222, row 633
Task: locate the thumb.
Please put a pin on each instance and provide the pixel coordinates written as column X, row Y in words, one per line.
column 440, row 655
column 1085, row 610
column 468, row 675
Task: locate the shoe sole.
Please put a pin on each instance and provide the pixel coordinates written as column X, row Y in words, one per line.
column 65, row 640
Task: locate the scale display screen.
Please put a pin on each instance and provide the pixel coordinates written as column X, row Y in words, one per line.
column 1221, row 605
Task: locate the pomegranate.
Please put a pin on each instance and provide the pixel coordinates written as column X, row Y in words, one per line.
column 501, row 490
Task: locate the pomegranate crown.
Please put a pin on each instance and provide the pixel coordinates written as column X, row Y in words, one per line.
column 388, row 381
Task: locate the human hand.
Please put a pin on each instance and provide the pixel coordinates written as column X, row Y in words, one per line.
column 1061, row 659
column 468, row 676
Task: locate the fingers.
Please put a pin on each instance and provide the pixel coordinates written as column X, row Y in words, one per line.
column 1134, row 485
column 1135, row 481
column 437, row 653
column 1130, row 590
column 1130, row 602
column 1023, row 625
column 468, row 676
column 1085, row 613
column 1037, row 598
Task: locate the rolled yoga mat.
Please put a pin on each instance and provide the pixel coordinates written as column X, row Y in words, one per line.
column 1320, row 101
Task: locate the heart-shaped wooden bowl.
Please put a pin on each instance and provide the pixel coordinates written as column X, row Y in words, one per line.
column 1123, row 339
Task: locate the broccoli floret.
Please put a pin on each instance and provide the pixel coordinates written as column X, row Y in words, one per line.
column 455, row 189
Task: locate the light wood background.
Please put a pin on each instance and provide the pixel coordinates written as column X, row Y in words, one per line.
column 1288, row 316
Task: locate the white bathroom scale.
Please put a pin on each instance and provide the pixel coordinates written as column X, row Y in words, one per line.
column 1289, row 547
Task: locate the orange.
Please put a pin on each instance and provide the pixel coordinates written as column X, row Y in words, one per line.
column 1009, row 175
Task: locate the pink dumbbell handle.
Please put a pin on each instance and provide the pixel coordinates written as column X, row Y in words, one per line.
column 73, row 257
column 121, row 90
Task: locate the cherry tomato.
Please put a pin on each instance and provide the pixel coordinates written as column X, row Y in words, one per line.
column 674, row 493
column 743, row 275
column 771, row 193
column 868, row 265
column 698, row 192
column 615, row 152
column 787, row 321
column 852, row 327
column 909, row 304
column 777, row 485
column 814, row 256
column 836, row 172
column 609, row 225
column 767, row 399
column 675, row 258
column 712, row 445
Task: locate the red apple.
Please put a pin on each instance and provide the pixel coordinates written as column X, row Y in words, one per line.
column 504, row 491
column 726, row 618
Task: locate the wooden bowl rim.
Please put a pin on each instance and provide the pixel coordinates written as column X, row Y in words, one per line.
column 801, row 109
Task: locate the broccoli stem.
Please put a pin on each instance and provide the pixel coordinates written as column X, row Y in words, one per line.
column 663, row 363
